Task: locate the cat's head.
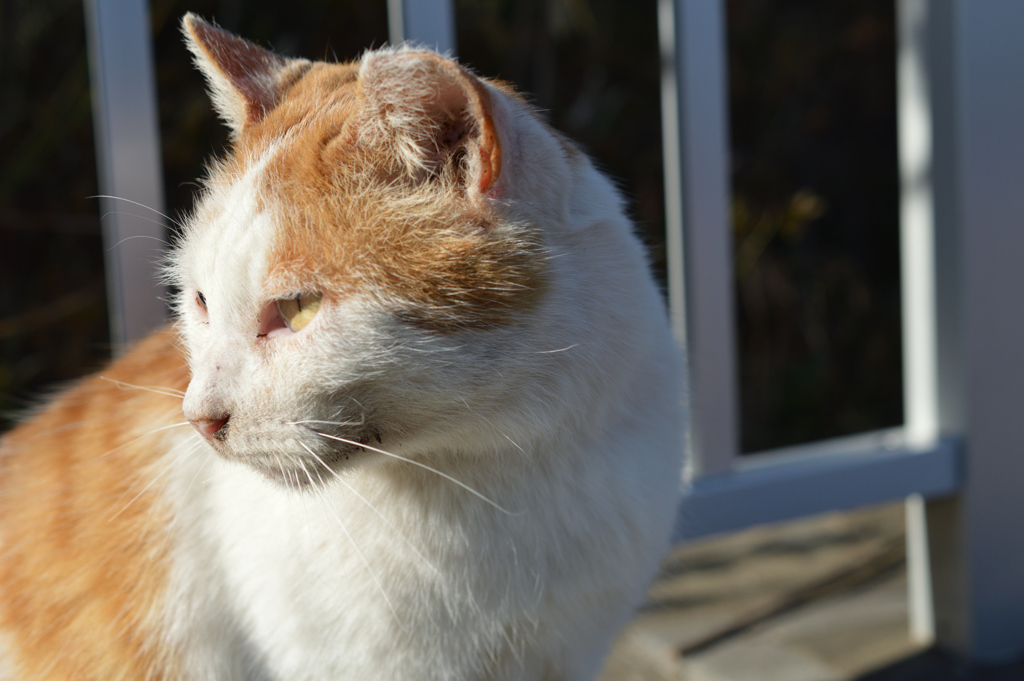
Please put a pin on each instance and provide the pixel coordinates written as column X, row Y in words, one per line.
column 369, row 264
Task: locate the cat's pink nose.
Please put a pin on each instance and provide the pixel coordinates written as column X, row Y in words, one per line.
column 212, row 429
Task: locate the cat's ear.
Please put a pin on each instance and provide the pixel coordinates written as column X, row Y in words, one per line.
column 439, row 115
column 245, row 79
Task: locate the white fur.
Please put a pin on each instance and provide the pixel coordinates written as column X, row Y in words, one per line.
column 568, row 419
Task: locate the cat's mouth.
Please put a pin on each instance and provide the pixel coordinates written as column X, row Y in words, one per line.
column 319, row 464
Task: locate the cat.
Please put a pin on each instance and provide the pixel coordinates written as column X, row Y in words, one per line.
column 420, row 415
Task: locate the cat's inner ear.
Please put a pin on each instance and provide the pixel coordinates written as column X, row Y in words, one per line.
column 432, row 114
column 245, row 79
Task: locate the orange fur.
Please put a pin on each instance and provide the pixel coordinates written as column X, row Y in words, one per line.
column 254, row 74
column 354, row 217
column 82, row 566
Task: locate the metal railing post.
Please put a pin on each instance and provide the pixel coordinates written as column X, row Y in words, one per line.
column 423, row 22
column 932, row 377
column 128, row 155
column 975, row 552
column 698, row 225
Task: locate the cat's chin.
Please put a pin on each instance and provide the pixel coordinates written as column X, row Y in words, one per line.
column 308, row 474
column 294, row 478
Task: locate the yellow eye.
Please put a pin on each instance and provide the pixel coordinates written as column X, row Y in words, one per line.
column 300, row 310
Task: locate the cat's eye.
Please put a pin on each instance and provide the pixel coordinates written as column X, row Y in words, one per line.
column 201, row 299
column 300, row 310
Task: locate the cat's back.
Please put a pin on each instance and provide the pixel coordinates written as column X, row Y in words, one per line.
column 83, row 541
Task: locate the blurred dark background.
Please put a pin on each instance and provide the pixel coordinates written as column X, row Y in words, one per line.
column 815, row 217
column 813, row 153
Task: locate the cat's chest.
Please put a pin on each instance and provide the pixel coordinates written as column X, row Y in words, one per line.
column 346, row 578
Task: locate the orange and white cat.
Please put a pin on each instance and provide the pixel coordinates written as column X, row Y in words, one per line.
column 435, row 406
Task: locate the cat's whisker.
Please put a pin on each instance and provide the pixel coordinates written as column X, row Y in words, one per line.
column 143, row 436
column 320, row 477
column 302, row 465
column 170, row 392
column 140, row 205
column 373, row 508
column 551, row 352
column 360, row 422
column 135, row 236
column 305, row 511
column 320, row 497
column 197, row 442
column 514, row 443
column 280, row 467
column 320, row 500
column 488, row 421
column 142, row 491
column 324, row 503
column 322, row 463
column 293, row 478
column 294, row 463
column 426, row 468
column 517, row 654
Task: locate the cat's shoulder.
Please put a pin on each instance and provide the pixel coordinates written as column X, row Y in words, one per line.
column 79, row 499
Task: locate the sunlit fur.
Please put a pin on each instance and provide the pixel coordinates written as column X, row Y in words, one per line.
column 466, row 465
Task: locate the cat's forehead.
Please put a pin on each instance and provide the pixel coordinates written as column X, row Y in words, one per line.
column 317, row 106
column 225, row 248
column 342, row 217
column 270, row 182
